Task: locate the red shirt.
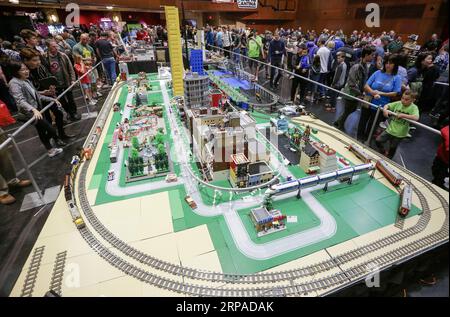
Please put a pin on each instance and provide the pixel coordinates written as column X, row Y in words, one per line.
column 141, row 35
column 80, row 70
column 442, row 152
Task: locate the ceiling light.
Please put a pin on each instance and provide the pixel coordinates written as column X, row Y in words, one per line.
column 14, row 1
column 109, row 7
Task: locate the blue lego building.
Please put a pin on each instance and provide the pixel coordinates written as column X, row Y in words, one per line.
column 196, row 62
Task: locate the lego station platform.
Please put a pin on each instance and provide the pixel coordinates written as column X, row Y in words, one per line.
column 149, row 210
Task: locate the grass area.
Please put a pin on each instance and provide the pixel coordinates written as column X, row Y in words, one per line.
column 289, row 207
column 99, row 178
column 365, row 206
column 182, row 215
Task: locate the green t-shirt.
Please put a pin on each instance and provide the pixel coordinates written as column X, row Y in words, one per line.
column 84, row 51
column 400, row 127
column 254, row 47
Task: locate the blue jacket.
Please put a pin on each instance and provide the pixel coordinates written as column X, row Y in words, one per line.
column 276, row 46
column 210, row 38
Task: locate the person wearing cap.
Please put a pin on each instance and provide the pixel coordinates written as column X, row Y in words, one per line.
column 301, row 66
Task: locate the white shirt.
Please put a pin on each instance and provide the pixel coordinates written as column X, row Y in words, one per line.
column 226, row 39
column 324, row 54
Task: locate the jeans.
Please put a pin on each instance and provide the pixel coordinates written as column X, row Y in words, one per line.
column 277, row 63
column 323, row 80
column 110, row 68
column 303, row 85
column 313, row 86
column 366, row 122
column 393, row 141
column 67, row 101
column 244, row 52
column 236, row 58
column 333, row 97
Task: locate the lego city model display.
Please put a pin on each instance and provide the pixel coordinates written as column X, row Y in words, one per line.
column 337, row 223
column 267, row 222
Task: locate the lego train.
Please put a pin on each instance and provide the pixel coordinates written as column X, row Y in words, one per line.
column 360, row 153
column 392, row 176
column 73, row 209
column 324, row 178
column 389, row 173
column 405, row 200
column 86, row 154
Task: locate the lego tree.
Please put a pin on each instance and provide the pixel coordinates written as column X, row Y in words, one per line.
column 161, row 149
column 131, row 168
column 268, row 202
column 135, row 143
column 159, row 138
column 134, row 153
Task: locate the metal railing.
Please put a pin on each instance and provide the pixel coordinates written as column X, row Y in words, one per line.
column 12, row 137
column 361, row 101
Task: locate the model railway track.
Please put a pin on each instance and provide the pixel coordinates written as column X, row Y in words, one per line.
column 58, row 272
column 32, row 273
column 293, row 289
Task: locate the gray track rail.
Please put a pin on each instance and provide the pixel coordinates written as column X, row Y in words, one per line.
column 33, row 270
column 330, row 281
column 58, row 272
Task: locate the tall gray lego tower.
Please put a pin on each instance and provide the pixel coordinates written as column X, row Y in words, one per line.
column 196, row 91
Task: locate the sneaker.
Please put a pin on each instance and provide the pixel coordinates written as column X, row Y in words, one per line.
column 99, row 94
column 383, row 125
column 60, row 143
column 93, row 102
column 412, row 128
column 55, row 151
column 75, row 117
column 409, row 136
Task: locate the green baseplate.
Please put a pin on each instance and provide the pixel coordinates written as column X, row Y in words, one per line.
column 364, row 206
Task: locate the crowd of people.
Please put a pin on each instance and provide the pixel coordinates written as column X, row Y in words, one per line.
column 382, row 70
column 35, row 71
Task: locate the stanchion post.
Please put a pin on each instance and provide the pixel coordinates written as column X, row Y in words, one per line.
column 84, row 97
column 374, row 125
column 27, row 169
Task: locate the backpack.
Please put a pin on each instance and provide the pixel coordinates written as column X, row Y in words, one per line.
column 416, row 85
column 331, row 67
